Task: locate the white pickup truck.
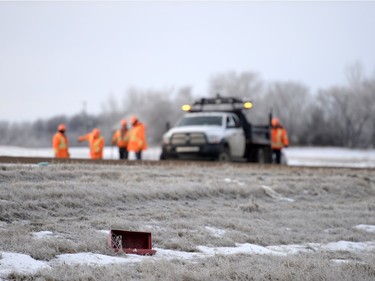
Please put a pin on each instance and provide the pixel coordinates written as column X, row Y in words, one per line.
column 217, row 129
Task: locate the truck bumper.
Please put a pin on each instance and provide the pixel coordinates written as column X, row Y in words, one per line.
column 206, row 151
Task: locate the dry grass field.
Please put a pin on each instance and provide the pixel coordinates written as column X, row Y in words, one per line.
column 191, row 208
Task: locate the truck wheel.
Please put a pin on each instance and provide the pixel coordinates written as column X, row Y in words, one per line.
column 252, row 155
column 261, row 156
column 268, row 155
column 264, row 155
column 224, row 155
column 162, row 157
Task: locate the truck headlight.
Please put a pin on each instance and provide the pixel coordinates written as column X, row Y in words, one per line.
column 213, row 139
column 166, row 140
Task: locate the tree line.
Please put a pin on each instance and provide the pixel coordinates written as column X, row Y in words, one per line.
column 338, row 116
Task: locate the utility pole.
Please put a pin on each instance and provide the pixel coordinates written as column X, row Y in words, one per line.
column 84, row 115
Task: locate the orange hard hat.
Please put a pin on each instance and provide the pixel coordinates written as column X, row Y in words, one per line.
column 61, row 127
column 275, row 121
column 133, row 119
column 96, row 132
column 124, row 122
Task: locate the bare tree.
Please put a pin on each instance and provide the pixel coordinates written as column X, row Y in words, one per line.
column 243, row 85
column 362, row 108
column 369, row 100
column 347, row 113
column 291, row 103
column 156, row 108
column 246, row 85
column 338, row 116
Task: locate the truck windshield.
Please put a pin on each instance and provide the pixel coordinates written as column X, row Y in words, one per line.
column 201, row 121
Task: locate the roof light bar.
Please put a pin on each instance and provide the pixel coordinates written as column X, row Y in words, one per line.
column 186, row 107
column 248, row 105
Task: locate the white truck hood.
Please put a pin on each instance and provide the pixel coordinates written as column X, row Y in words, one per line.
column 208, row 130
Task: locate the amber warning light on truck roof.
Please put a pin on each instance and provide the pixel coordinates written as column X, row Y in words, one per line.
column 248, row 105
column 186, row 107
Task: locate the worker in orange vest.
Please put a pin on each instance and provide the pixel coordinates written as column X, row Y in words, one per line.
column 279, row 139
column 60, row 142
column 121, row 139
column 96, row 143
column 137, row 138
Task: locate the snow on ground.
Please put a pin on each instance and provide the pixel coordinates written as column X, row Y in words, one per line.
column 21, row 263
column 366, row 227
column 273, row 194
column 246, row 249
column 216, row 232
column 95, row 259
column 294, row 156
column 228, row 180
column 153, row 153
column 329, row 157
column 43, row 234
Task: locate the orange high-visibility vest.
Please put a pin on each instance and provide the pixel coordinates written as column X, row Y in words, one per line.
column 137, row 138
column 96, row 145
column 121, row 138
column 60, row 145
column 96, row 148
column 279, row 137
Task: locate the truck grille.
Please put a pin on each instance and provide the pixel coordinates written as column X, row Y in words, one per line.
column 188, row 139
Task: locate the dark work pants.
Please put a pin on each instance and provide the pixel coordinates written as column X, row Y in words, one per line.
column 277, row 153
column 123, row 153
column 138, row 155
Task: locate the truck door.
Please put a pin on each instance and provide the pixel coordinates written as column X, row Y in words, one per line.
column 235, row 136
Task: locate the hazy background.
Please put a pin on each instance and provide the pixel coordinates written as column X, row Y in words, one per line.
column 91, row 63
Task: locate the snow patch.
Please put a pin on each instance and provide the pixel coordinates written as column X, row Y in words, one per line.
column 171, row 254
column 349, row 246
column 228, row 180
column 21, row 263
column 273, row 194
column 366, row 227
column 295, row 249
column 216, row 232
column 342, row 261
column 95, row 259
column 330, row 157
column 249, row 249
column 43, row 234
column 104, row 231
column 330, row 247
column 13, row 262
column 153, row 227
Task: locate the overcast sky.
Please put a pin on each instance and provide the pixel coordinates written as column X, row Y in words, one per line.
column 54, row 56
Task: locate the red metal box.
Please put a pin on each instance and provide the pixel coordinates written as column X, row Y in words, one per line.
column 131, row 242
